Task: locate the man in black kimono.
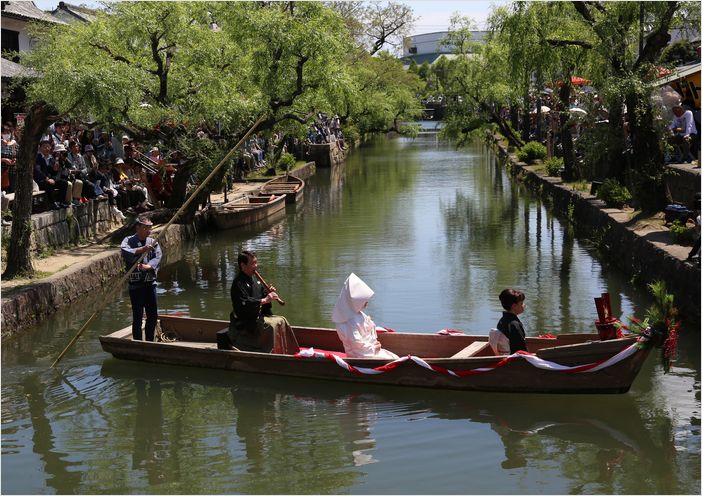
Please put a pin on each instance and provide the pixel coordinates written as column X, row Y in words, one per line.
column 510, row 325
column 252, row 325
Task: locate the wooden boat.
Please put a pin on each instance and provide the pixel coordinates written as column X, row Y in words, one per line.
column 290, row 186
column 246, row 209
column 462, row 362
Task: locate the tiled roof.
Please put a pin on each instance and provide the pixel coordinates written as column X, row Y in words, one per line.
column 10, row 69
column 28, row 11
column 83, row 13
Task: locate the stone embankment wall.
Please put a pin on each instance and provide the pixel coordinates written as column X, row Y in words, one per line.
column 641, row 255
column 57, row 228
column 326, row 155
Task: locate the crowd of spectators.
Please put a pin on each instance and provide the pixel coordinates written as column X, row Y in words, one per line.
column 326, row 130
column 76, row 165
column 586, row 110
column 259, row 151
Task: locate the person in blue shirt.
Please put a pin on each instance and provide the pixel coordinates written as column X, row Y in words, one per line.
column 142, row 282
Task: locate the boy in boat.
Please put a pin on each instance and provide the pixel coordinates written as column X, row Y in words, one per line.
column 356, row 329
column 509, row 326
column 252, row 325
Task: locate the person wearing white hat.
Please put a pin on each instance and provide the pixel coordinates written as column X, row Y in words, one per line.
column 356, row 330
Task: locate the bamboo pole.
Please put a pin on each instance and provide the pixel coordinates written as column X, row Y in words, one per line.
column 185, row 205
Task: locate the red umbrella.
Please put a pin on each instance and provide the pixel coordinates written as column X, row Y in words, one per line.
column 576, row 80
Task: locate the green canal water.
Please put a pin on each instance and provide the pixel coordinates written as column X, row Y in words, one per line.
column 437, row 233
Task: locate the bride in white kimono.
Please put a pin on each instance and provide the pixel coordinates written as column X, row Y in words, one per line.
column 356, row 329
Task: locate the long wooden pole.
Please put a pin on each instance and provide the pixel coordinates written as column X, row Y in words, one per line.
column 185, row 205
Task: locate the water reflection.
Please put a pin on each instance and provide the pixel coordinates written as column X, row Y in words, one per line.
column 148, row 430
column 292, row 429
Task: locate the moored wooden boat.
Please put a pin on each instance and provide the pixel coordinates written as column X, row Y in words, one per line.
column 462, row 362
column 246, row 209
column 290, row 186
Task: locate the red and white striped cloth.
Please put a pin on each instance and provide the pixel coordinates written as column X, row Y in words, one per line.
column 520, row 355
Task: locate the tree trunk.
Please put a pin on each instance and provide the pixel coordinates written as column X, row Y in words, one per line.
column 180, row 184
column 526, row 122
column 19, row 256
column 538, row 119
column 566, row 135
column 616, row 158
column 514, row 116
column 647, row 161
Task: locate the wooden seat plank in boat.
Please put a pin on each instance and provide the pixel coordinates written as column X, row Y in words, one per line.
column 474, row 349
column 287, row 185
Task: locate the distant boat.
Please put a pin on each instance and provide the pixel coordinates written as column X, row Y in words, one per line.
column 568, row 363
column 290, row 186
column 246, row 209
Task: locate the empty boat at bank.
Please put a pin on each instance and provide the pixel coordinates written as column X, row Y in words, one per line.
column 568, row 363
column 246, row 209
column 290, row 186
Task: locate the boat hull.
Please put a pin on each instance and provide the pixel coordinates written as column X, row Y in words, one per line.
column 236, row 214
column 196, row 348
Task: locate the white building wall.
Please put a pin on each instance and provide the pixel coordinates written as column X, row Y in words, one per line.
column 25, row 43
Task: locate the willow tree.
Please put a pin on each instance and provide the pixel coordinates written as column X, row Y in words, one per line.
column 295, row 56
column 382, row 97
column 546, row 46
column 474, row 85
column 164, row 70
column 630, row 38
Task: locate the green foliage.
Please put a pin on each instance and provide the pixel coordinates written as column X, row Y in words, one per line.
column 681, row 234
column 662, row 308
column 386, row 94
column 679, row 53
column 531, row 151
column 286, row 161
column 613, row 193
column 553, row 166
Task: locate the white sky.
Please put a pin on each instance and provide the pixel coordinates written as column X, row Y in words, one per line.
column 434, row 15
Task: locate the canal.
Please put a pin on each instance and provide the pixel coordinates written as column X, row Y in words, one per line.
column 437, row 233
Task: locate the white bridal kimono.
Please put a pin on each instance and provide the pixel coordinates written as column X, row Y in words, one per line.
column 356, row 329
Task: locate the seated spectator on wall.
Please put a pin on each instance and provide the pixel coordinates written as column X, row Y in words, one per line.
column 104, row 151
column 124, row 152
column 63, row 172
column 155, row 155
column 44, row 175
column 103, row 177
column 683, row 132
column 79, row 170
